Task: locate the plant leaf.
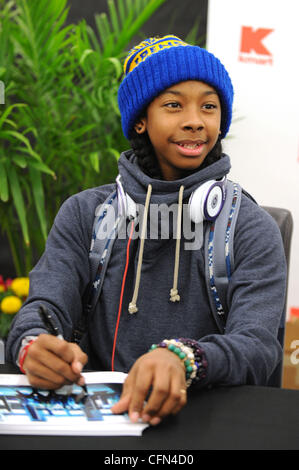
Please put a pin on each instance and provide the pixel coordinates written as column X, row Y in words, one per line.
column 4, row 193
column 131, row 27
column 18, row 202
column 21, row 137
column 20, row 160
column 82, row 130
column 113, row 16
column 95, row 161
column 39, row 199
column 86, row 53
column 9, row 110
column 30, row 152
column 117, row 65
column 114, row 152
column 41, row 167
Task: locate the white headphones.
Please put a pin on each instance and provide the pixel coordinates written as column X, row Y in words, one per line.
column 205, row 202
column 126, row 205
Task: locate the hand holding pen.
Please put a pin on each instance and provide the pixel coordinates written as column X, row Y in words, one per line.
column 53, row 330
column 52, row 362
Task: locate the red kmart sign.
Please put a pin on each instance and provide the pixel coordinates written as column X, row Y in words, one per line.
column 252, row 47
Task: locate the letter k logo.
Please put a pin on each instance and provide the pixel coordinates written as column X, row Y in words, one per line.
column 251, row 40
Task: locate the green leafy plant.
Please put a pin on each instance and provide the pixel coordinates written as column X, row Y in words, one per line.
column 60, row 129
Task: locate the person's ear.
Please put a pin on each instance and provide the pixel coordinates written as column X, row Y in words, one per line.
column 140, row 126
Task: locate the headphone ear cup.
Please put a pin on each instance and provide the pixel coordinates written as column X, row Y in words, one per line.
column 126, row 206
column 196, row 212
column 214, row 202
column 206, row 202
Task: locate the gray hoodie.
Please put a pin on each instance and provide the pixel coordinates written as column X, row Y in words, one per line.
column 247, row 353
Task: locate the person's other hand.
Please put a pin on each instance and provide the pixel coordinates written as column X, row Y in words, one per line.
column 164, row 373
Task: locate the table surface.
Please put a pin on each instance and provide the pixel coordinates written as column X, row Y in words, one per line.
column 232, row 418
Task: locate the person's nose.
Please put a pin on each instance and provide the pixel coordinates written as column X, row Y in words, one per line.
column 192, row 119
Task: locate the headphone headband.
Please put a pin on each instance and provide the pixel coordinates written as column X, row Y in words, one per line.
column 205, row 203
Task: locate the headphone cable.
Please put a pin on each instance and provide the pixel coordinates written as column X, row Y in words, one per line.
column 121, row 294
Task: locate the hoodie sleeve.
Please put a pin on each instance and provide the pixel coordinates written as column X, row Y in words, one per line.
column 249, row 351
column 61, row 276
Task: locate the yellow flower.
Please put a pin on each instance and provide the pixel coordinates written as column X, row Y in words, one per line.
column 10, row 304
column 20, row 286
column 2, row 288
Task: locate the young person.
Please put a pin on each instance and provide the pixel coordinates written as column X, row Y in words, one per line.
column 176, row 107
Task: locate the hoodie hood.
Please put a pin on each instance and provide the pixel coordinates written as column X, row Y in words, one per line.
column 136, row 183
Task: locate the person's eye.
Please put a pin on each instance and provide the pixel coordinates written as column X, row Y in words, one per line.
column 172, row 105
column 210, row 106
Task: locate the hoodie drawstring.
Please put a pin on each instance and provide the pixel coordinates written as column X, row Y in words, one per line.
column 132, row 306
column 174, row 294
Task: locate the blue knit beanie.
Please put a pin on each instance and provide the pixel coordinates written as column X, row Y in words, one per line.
column 158, row 63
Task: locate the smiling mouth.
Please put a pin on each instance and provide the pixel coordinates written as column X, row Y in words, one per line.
column 192, row 145
column 189, row 148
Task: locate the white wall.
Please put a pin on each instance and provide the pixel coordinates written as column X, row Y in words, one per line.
column 263, row 139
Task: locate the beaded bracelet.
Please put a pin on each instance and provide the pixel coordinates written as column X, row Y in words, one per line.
column 199, row 356
column 184, row 353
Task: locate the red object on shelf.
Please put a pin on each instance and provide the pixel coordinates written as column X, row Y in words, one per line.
column 294, row 313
